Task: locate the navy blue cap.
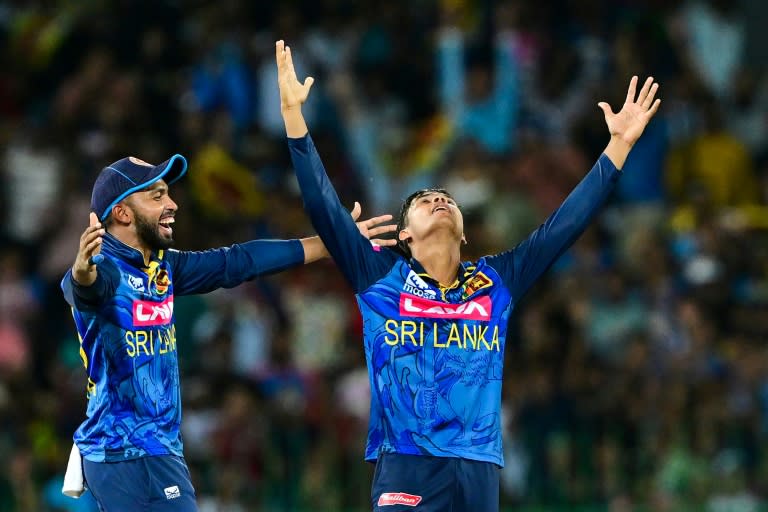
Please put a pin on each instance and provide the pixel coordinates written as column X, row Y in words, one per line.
column 128, row 175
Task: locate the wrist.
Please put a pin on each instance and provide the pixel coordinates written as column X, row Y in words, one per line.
column 290, row 109
column 617, row 151
column 618, row 140
column 83, row 277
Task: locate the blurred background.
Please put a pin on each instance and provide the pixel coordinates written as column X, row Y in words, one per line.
column 636, row 370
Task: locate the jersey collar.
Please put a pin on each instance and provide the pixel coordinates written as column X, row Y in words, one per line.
column 124, row 251
column 464, row 271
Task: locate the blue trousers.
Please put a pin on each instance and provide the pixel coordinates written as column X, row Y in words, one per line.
column 434, row 484
column 147, row 484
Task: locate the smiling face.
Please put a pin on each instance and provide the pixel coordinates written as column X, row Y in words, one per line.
column 426, row 212
column 153, row 215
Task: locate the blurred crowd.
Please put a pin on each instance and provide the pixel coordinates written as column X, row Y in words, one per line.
column 636, row 373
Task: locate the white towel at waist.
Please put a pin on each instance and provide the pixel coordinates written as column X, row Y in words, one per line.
column 74, row 485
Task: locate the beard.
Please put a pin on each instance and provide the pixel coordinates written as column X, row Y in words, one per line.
column 149, row 234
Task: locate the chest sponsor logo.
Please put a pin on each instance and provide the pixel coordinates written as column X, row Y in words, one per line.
column 136, row 283
column 398, row 498
column 476, row 309
column 415, row 285
column 152, row 313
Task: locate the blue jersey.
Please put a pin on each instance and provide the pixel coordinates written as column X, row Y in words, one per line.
column 128, row 340
column 435, row 354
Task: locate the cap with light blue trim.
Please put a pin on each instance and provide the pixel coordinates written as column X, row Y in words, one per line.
column 128, row 175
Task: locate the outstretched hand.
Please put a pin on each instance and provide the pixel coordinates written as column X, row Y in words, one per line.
column 370, row 228
column 84, row 268
column 628, row 124
column 292, row 92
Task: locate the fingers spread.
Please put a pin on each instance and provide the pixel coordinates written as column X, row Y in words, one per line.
column 606, row 108
column 380, row 230
column 389, row 242
column 289, row 63
column 280, row 55
column 308, row 83
column 356, row 209
column 649, row 98
column 654, row 108
column 631, row 90
column 644, row 91
column 378, row 220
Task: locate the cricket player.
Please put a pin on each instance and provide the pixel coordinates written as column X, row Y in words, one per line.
column 121, row 289
column 434, row 325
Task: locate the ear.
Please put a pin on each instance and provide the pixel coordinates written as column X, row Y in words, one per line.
column 404, row 235
column 464, row 239
column 122, row 214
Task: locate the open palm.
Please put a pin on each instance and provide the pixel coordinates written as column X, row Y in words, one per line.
column 374, row 226
column 292, row 92
column 629, row 123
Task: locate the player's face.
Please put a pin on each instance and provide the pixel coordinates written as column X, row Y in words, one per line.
column 154, row 213
column 434, row 211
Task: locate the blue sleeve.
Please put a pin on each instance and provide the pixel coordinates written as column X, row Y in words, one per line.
column 524, row 264
column 226, row 267
column 90, row 298
column 361, row 263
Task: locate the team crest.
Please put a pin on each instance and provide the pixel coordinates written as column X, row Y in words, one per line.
column 477, row 282
column 162, row 282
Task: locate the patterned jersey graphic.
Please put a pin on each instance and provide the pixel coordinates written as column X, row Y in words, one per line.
column 435, row 355
column 129, row 345
column 436, row 365
column 125, row 322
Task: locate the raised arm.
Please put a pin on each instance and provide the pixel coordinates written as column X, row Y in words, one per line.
column 524, row 264
column 85, row 285
column 360, row 261
column 293, row 93
column 84, row 270
column 628, row 124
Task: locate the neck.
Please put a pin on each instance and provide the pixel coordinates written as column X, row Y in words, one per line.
column 440, row 260
column 131, row 239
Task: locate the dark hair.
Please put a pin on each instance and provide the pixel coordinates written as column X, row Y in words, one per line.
column 402, row 245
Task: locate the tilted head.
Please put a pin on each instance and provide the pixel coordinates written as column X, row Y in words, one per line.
column 424, row 211
column 132, row 193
